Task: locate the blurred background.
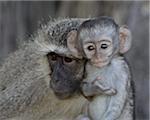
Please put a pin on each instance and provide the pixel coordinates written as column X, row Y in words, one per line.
column 18, row 20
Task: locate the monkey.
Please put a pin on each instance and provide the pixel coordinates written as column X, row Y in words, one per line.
column 102, row 42
column 41, row 79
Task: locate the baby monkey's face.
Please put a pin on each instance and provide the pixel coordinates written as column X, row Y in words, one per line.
column 99, row 40
column 98, row 50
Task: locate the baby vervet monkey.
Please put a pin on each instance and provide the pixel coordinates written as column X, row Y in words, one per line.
column 102, row 42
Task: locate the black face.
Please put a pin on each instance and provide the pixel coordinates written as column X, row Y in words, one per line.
column 66, row 76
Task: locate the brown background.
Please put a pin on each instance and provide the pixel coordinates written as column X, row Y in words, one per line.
column 18, row 20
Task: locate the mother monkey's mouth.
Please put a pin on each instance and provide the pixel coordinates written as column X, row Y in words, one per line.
column 64, row 91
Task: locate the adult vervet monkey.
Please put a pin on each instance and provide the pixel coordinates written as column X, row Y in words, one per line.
column 40, row 81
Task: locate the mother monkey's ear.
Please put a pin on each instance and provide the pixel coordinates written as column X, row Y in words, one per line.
column 125, row 39
column 72, row 44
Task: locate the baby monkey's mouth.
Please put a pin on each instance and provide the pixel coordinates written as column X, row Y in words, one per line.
column 99, row 63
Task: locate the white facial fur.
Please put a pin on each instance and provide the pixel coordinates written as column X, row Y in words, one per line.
column 98, row 47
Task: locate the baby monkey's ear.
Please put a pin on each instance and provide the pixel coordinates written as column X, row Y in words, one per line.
column 125, row 39
column 72, row 44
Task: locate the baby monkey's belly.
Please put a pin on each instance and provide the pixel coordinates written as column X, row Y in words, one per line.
column 98, row 107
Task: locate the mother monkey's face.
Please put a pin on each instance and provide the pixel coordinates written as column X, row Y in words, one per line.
column 67, row 74
column 66, row 71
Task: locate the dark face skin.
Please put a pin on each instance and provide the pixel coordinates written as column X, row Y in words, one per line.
column 66, row 75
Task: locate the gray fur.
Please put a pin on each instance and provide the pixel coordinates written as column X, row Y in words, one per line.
column 24, row 78
column 114, row 75
column 119, row 106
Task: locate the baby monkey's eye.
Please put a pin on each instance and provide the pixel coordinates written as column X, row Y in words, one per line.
column 104, row 46
column 90, row 48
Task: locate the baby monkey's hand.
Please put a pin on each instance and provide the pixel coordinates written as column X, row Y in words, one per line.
column 96, row 88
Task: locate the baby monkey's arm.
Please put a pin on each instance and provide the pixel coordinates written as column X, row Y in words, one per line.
column 97, row 88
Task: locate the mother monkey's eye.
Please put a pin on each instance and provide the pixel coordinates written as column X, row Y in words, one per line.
column 67, row 60
column 52, row 56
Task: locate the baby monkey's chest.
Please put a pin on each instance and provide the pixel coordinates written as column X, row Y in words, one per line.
column 102, row 75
